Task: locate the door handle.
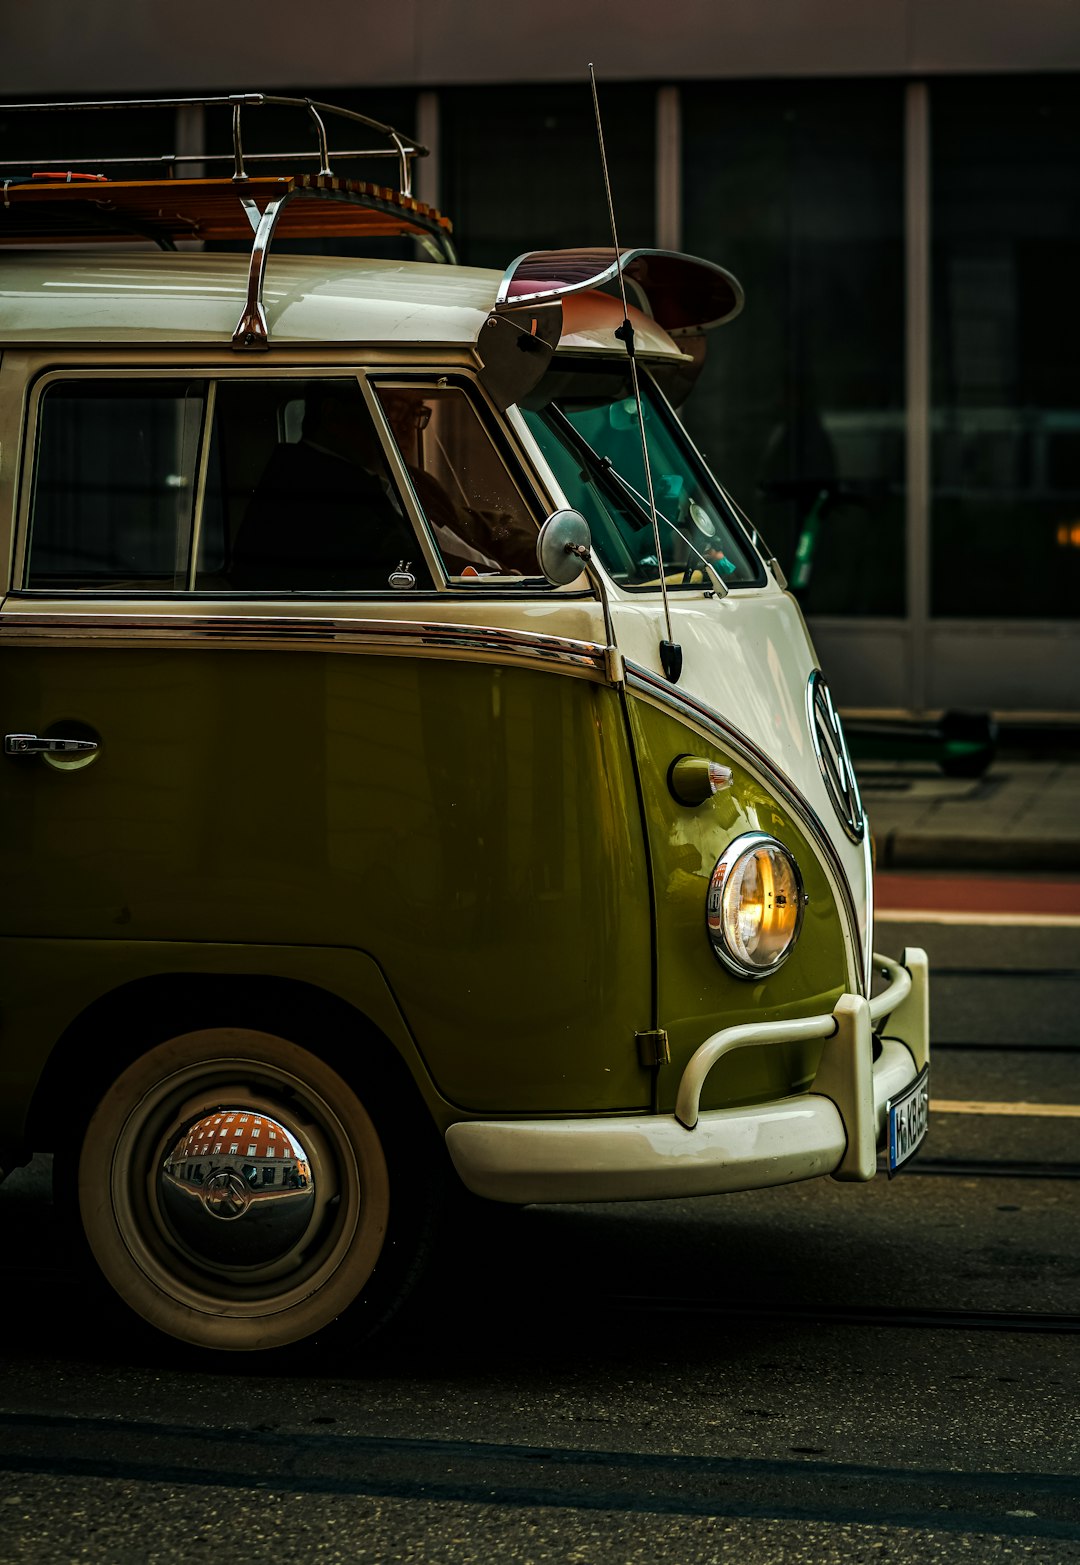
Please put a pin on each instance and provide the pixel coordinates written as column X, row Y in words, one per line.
column 30, row 744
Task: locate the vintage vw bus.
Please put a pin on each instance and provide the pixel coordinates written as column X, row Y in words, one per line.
column 405, row 783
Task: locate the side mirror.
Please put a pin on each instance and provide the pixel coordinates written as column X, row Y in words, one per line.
column 563, row 549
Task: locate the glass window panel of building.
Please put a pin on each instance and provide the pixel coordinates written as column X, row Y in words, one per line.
column 521, row 167
column 78, row 137
column 1006, row 344
column 797, row 187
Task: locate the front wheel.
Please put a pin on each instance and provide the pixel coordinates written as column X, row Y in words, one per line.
column 236, row 1193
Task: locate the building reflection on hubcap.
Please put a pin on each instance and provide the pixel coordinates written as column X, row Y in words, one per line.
column 238, row 1163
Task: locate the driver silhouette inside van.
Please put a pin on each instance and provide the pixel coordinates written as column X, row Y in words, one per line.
column 324, row 516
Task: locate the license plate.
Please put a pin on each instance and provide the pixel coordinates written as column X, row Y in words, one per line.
column 908, row 1118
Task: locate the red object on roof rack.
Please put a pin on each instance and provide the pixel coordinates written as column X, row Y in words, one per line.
column 67, row 176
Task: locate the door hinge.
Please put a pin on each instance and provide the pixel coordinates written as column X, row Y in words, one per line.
column 653, row 1048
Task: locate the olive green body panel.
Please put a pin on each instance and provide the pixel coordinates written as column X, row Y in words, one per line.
column 474, row 829
column 697, row 996
column 49, row 984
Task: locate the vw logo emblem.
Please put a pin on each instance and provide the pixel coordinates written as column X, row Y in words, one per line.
column 226, row 1195
column 833, row 756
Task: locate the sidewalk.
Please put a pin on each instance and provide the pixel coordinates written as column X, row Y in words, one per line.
column 1022, row 815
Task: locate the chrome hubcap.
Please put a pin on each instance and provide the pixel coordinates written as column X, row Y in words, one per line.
column 237, row 1188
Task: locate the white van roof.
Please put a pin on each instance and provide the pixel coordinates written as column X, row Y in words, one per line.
column 94, row 296
column 53, row 295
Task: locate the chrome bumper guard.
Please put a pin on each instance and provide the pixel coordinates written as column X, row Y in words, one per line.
column 835, row 1128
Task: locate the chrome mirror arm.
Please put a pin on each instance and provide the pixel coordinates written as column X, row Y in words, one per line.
column 563, row 552
column 599, row 586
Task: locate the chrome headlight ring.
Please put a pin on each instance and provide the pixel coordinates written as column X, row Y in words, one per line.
column 754, row 907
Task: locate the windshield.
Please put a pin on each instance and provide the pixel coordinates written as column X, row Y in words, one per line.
column 584, row 418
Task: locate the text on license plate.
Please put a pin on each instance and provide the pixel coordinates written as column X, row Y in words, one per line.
column 909, row 1116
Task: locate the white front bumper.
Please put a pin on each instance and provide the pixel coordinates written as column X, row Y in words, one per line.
column 834, row 1129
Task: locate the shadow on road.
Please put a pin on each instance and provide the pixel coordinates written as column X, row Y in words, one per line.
column 508, row 1286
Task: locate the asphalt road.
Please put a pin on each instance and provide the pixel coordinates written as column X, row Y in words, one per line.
column 887, row 1372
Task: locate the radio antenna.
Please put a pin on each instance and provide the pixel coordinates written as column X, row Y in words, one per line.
column 670, row 651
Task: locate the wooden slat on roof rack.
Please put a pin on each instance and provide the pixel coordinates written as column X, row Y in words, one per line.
column 169, row 209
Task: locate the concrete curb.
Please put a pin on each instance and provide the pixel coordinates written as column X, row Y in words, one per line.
column 900, row 849
column 1021, row 817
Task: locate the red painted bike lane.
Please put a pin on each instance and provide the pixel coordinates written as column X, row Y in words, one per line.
column 1023, row 896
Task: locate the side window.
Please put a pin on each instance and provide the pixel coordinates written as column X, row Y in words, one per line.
column 298, row 495
column 114, row 485
column 477, row 515
column 276, row 485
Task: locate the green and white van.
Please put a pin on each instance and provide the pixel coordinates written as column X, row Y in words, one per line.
column 405, row 785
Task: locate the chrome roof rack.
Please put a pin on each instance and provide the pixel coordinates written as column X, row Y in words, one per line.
column 72, row 199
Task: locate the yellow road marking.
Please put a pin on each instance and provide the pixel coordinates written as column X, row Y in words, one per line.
column 1019, row 1110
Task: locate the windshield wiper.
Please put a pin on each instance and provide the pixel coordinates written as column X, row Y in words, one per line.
column 609, row 477
column 602, row 468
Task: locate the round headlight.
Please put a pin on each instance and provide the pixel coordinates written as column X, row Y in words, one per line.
column 755, row 905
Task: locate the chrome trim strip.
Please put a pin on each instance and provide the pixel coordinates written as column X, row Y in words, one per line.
column 868, row 877
column 644, row 682
column 283, row 633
